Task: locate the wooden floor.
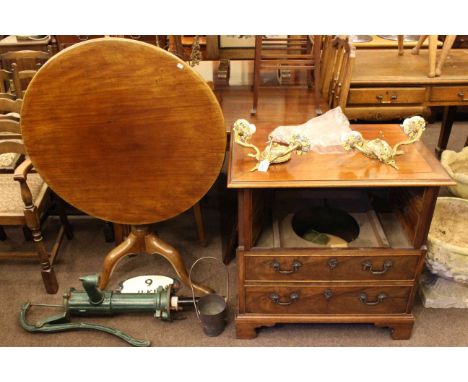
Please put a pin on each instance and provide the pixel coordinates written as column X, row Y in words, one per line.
column 276, row 105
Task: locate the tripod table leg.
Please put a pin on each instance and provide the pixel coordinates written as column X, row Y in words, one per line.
column 129, row 246
column 155, row 245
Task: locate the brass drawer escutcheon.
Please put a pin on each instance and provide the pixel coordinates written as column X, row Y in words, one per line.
column 328, row 293
column 275, row 298
column 332, row 263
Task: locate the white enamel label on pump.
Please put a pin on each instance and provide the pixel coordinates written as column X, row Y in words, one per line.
column 145, row 284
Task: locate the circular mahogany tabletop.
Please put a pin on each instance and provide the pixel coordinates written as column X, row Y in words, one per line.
column 123, row 130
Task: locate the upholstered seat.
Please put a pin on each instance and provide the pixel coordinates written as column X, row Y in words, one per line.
column 10, row 195
column 8, row 159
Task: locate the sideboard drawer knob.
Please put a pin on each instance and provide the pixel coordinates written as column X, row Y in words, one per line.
column 294, row 267
column 332, row 263
column 368, row 267
column 328, row 293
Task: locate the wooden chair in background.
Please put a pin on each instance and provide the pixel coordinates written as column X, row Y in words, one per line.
column 6, row 84
column 21, row 79
column 25, row 206
column 10, row 129
column 23, row 65
column 286, row 53
column 24, row 59
column 10, row 109
column 338, row 56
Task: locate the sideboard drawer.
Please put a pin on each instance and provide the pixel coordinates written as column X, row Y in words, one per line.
column 385, row 112
column 326, row 299
column 449, row 93
column 65, row 41
column 286, row 268
column 386, row 96
column 150, row 39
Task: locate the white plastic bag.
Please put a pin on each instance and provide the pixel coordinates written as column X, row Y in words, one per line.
column 324, row 132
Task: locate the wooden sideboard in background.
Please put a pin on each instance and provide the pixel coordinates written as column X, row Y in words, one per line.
column 12, row 43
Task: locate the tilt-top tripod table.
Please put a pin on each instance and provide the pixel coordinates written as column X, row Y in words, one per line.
column 125, row 132
column 373, row 278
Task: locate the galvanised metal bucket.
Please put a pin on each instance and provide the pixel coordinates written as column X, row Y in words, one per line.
column 212, row 308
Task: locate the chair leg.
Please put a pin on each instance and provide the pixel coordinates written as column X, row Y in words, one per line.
column 445, row 129
column 31, row 216
column 199, row 222
column 432, row 55
column 448, row 43
column 316, row 71
column 419, row 44
column 255, row 92
column 47, row 271
column 3, row 235
column 27, row 234
column 401, row 49
column 229, row 252
column 256, row 79
column 309, row 79
column 63, row 218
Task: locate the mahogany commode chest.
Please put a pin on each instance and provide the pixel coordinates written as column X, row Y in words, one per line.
column 374, row 283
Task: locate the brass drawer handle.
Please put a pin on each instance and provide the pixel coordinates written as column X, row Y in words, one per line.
column 462, row 96
column 392, row 99
column 82, row 37
column 363, row 298
column 332, row 263
column 275, row 298
column 277, row 267
column 367, row 267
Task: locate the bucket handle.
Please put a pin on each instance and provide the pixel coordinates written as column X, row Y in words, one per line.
column 191, row 285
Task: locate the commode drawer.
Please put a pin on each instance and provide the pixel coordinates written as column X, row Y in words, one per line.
column 326, row 299
column 386, row 96
column 385, row 112
column 332, row 266
column 449, row 94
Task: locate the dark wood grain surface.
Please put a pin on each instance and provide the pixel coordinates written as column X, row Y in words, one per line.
column 330, row 265
column 343, row 299
column 418, row 165
column 123, row 130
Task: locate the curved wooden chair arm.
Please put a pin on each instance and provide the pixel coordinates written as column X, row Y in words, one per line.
column 21, row 172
